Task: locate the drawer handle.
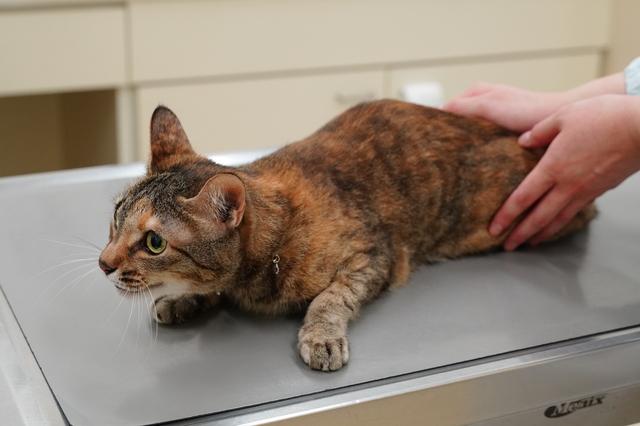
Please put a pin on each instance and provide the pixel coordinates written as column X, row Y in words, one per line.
column 354, row 98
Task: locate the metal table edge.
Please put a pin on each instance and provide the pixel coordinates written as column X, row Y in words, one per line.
column 419, row 381
column 114, row 171
column 302, row 405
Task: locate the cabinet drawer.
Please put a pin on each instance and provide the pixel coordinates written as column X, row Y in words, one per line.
column 545, row 74
column 62, row 49
column 230, row 116
column 177, row 39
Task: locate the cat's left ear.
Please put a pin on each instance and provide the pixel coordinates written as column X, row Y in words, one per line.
column 223, row 197
column 169, row 142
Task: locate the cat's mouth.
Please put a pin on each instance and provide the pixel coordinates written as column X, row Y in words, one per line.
column 128, row 288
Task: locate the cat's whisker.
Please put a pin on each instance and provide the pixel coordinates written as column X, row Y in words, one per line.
column 137, row 301
column 153, row 337
column 54, row 282
column 76, row 256
column 71, row 284
column 93, row 281
column 126, row 328
column 69, row 262
column 79, row 253
column 64, row 243
column 94, row 245
column 72, row 270
column 147, row 348
column 152, row 314
column 144, row 314
column 114, row 311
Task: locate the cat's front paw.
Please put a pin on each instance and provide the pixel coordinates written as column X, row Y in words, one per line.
column 322, row 350
column 179, row 309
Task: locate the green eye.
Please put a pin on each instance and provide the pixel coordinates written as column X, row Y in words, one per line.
column 155, row 243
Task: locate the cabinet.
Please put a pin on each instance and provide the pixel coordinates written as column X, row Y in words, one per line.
column 192, row 38
column 59, row 50
column 259, row 113
column 246, row 74
column 538, row 73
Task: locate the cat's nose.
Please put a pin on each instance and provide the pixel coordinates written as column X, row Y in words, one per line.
column 106, row 268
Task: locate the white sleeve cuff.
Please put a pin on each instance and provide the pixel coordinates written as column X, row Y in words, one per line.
column 632, row 77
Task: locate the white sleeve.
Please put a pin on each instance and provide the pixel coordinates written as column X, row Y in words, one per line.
column 632, row 77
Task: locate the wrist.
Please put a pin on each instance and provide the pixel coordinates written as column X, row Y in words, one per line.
column 634, row 120
column 557, row 100
column 552, row 102
column 610, row 85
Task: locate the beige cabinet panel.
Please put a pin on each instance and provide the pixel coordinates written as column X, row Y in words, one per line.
column 229, row 116
column 624, row 46
column 187, row 38
column 31, row 135
column 61, row 49
column 546, row 74
column 9, row 4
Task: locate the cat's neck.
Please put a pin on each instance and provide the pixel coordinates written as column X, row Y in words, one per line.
column 263, row 228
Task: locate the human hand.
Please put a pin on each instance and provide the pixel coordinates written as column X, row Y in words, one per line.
column 594, row 145
column 516, row 109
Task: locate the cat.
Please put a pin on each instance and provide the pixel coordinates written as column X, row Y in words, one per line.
column 325, row 224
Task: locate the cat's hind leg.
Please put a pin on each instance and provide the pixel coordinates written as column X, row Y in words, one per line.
column 579, row 222
column 177, row 309
column 322, row 340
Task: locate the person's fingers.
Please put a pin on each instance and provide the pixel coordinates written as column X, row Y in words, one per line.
column 535, row 185
column 561, row 220
column 476, row 106
column 541, row 215
column 458, row 105
column 479, row 88
column 542, row 133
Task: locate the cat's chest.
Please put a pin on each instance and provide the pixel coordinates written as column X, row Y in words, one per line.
column 286, row 284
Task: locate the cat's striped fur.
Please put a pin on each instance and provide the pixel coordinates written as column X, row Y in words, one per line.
column 349, row 211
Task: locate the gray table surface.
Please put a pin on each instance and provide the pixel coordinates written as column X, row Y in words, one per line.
column 106, row 365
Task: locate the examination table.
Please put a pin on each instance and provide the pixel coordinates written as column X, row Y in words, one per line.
column 549, row 335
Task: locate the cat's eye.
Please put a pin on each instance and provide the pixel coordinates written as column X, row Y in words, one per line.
column 155, row 243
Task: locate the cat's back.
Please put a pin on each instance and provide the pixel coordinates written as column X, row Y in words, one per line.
column 385, row 131
column 405, row 168
column 390, row 144
column 385, row 117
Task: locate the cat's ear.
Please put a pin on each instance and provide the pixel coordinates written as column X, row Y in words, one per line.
column 169, row 142
column 223, row 197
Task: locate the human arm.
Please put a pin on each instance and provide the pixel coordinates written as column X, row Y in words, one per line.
column 518, row 109
column 593, row 145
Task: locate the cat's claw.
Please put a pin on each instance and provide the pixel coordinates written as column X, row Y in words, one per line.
column 326, row 353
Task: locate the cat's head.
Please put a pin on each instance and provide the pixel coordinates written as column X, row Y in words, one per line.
column 177, row 228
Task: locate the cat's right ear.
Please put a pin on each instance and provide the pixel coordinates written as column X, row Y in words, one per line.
column 222, row 198
column 169, row 143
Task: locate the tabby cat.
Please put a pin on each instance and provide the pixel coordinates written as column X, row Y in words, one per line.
column 323, row 225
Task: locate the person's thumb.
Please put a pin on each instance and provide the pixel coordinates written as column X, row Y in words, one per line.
column 542, row 133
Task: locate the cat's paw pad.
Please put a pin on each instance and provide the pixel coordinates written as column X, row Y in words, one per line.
column 324, row 352
column 175, row 309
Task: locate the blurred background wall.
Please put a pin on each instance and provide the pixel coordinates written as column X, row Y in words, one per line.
column 80, row 78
